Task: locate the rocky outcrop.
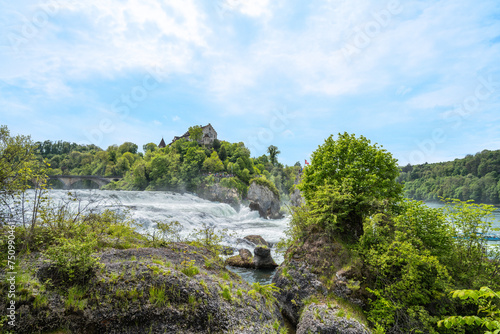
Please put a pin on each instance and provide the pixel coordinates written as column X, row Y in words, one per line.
column 264, row 200
column 261, row 260
column 296, row 284
column 145, row 290
column 244, row 259
column 296, row 198
column 257, row 240
column 322, row 319
column 218, row 193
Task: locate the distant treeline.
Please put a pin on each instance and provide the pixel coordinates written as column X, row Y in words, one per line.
column 475, row 177
column 184, row 165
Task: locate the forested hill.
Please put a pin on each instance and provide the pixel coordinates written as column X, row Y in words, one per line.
column 184, row 165
column 475, row 177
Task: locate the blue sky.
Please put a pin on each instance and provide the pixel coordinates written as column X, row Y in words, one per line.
column 421, row 78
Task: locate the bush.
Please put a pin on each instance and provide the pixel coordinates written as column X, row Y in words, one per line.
column 73, row 260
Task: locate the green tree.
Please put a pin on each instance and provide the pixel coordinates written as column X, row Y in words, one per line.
column 195, row 133
column 213, row 164
column 273, row 154
column 149, row 147
column 223, row 153
column 348, row 180
column 128, row 147
column 20, row 170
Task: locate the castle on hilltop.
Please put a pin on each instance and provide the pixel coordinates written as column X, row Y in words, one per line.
column 208, row 136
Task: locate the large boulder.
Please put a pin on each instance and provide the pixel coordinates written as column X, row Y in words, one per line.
column 264, row 200
column 244, row 259
column 323, row 319
column 218, row 193
column 257, row 240
column 263, row 258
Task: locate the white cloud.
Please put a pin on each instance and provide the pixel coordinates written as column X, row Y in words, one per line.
column 254, row 8
column 107, row 38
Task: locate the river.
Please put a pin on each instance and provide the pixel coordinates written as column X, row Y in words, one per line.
column 148, row 207
column 495, row 218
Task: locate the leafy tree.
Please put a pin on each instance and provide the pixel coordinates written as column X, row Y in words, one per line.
column 195, row 133
column 128, row 147
column 473, row 177
column 20, row 171
column 17, row 161
column 348, row 180
column 149, row 147
column 216, row 144
column 273, row 153
column 223, row 153
column 122, row 166
column 213, row 164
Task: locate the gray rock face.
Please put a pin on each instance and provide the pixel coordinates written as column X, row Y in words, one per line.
column 263, row 259
column 296, row 198
column 262, row 199
column 217, row 193
column 243, row 260
column 324, row 320
column 257, row 240
column 149, row 290
column 245, row 254
column 296, row 283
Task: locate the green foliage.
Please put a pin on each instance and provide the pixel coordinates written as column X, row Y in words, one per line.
column 348, row 180
column 226, row 293
column 267, row 290
column 189, row 268
column 149, row 147
column 158, row 296
column 416, row 256
column 179, row 167
column 75, row 300
column 128, row 147
column 73, row 258
column 210, row 238
column 195, row 133
column 167, row 232
column 213, row 164
column 475, row 177
column 235, row 183
column 488, row 311
column 273, row 154
column 19, row 171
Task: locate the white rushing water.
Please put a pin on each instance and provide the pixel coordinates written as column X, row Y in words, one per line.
column 192, row 212
column 149, row 207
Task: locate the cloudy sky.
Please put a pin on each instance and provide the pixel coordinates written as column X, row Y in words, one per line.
column 421, row 78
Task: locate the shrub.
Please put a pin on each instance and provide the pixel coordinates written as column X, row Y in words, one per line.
column 73, row 259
